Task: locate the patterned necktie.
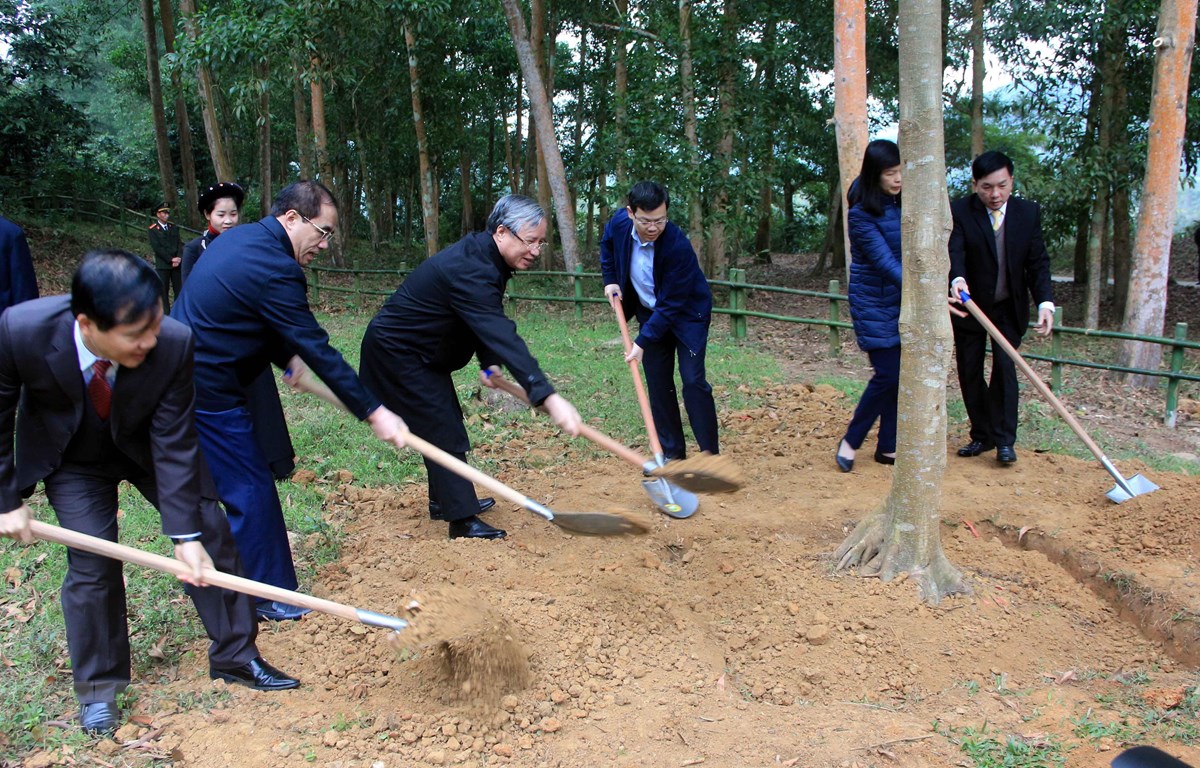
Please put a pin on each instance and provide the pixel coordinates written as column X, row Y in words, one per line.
column 996, row 217
column 99, row 390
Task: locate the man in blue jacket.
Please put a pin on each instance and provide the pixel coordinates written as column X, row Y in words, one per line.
column 247, row 305
column 649, row 264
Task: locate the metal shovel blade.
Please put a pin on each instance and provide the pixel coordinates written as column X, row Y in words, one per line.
column 598, row 524
column 671, row 500
column 1134, row 486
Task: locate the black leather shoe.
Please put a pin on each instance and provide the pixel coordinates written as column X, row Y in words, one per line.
column 275, row 611
column 474, row 528
column 1006, row 454
column 486, row 503
column 257, row 674
column 843, row 463
column 974, row 448
column 99, row 717
column 883, row 458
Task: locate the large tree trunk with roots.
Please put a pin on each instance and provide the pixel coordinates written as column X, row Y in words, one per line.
column 850, row 96
column 1156, row 220
column 539, row 106
column 903, row 536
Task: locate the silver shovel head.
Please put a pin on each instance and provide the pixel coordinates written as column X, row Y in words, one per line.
column 670, row 499
column 1134, row 486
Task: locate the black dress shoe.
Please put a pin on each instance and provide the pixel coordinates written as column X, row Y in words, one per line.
column 1006, row 454
column 883, row 458
column 974, row 448
column 843, row 463
column 257, row 674
column 486, row 503
column 99, row 717
column 474, row 528
column 271, row 610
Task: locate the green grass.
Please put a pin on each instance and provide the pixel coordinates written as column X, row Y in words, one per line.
column 991, row 749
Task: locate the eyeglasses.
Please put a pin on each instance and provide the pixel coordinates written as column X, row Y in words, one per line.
column 326, row 234
column 533, row 245
column 655, row 223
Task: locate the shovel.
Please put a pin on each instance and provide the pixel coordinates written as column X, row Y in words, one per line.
column 661, row 495
column 583, row 523
column 1125, row 489
column 106, row 548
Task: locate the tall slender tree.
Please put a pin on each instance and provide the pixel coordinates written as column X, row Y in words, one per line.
column 850, row 95
column 162, row 146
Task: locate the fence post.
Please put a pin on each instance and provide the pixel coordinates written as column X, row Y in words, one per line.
column 316, row 284
column 737, row 321
column 1056, row 368
column 354, row 283
column 577, row 282
column 835, row 337
column 1173, row 380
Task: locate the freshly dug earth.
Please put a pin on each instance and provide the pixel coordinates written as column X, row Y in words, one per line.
column 725, row 639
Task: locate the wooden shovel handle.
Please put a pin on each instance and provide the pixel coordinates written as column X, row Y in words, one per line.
column 170, row 565
column 1041, row 386
column 307, row 382
column 597, row 437
column 643, row 401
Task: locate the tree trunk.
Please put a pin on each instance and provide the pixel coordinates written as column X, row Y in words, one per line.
column 1083, row 220
column 716, row 257
column 518, row 136
column 537, row 37
column 833, row 230
column 1120, row 215
column 262, row 70
column 319, row 129
column 166, row 170
column 850, row 94
column 903, row 536
column 621, row 95
column 490, row 171
column 429, row 200
column 303, row 130
column 208, row 106
column 977, row 73
column 1110, row 61
column 1156, row 219
column 694, row 186
column 187, row 157
column 467, row 221
column 589, row 233
column 539, row 105
column 762, row 237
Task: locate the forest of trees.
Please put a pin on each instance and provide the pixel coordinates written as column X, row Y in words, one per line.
column 416, row 113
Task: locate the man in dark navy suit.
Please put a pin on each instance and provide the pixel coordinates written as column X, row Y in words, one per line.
column 998, row 256
column 649, row 264
column 247, row 304
column 96, row 388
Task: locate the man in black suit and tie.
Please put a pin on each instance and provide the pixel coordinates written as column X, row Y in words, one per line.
column 998, row 257
column 96, row 388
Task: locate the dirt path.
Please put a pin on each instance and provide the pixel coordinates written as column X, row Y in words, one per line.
column 725, row 640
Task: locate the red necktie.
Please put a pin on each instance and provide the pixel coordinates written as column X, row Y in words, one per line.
column 99, row 390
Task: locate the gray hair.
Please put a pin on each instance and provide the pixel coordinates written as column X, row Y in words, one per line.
column 515, row 212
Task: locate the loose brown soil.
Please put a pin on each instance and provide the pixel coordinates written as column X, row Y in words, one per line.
column 723, row 640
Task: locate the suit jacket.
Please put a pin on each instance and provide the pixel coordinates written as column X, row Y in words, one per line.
column 451, row 308
column 17, row 280
column 973, row 255
column 247, row 305
column 165, row 244
column 683, row 300
column 151, row 417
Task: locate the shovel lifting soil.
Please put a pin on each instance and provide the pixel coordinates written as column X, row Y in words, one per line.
column 705, row 473
column 583, row 523
column 1126, row 488
column 106, row 548
column 669, row 498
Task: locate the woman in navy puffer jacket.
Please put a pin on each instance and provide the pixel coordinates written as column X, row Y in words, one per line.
column 875, row 272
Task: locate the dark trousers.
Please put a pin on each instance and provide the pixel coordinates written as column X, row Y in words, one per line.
column 425, row 398
column 991, row 406
column 658, row 361
column 247, row 489
column 172, row 280
column 93, row 592
column 878, row 401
